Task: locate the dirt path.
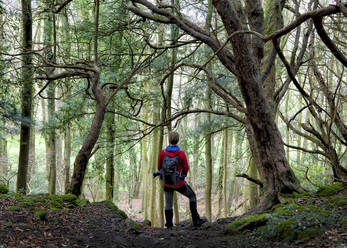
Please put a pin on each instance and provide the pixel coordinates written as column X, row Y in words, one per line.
column 98, row 225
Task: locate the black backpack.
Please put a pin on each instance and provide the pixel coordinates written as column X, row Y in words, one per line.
column 169, row 169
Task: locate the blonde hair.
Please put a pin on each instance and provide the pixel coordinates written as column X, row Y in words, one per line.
column 174, row 137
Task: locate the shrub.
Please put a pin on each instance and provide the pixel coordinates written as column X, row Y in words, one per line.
column 3, row 189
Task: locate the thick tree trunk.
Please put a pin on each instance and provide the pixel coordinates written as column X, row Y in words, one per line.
column 273, row 167
column 84, row 153
column 27, row 80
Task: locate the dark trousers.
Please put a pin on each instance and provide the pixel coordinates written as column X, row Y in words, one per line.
column 185, row 190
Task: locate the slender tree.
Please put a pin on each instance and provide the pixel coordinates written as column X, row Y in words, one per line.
column 27, row 79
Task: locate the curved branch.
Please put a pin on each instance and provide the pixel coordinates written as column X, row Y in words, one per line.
column 327, row 41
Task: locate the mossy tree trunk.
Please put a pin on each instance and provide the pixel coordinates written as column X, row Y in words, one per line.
column 26, row 104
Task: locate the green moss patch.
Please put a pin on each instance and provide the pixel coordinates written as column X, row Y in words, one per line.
column 147, row 222
column 55, row 205
column 81, row 202
column 248, row 222
column 331, row 189
column 135, row 225
column 14, row 208
column 286, row 229
column 115, row 208
column 309, row 233
column 40, row 214
column 338, row 201
column 3, row 189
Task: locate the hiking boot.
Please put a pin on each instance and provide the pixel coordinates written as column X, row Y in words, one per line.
column 168, row 218
column 197, row 221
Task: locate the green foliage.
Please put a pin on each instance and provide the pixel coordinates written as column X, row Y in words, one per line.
column 331, row 189
column 338, row 201
column 147, row 222
column 40, row 214
column 247, row 222
column 135, row 225
column 14, row 208
column 27, row 202
column 81, row 202
column 3, row 189
column 55, row 205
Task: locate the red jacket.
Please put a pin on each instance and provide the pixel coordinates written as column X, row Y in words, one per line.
column 182, row 165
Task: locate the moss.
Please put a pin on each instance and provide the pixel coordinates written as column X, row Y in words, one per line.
column 81, row 202
column 114, row 207
column 247, row 222
column 331, row 189
column 55, row 205
column 27, row 202
column 14, row 208
column 68, row 198
column 309, row 233
column 147, row 222
column 3, row 189
column 338, row 201
column 303, row 194
column 286, row 229
column 343, row 222
column 40, row 214
column 135, row 225
column 16, row 196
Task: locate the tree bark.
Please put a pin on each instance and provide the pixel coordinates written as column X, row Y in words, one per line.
column 27, row 79
column 67, row 156
column 273, row 167
column 84, row 153
column 110, row 134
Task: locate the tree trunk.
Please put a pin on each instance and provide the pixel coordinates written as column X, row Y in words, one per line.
column 154, row 159
column 3, row 161
column 273, row 167
column 225, row 170
column 84, row 153
column 146, row 172
column 31, row 164
column 110, row 134
column 208, row 159
column 27, row 80
column 67, row 156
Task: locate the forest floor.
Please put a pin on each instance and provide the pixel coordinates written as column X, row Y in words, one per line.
column 62, row 221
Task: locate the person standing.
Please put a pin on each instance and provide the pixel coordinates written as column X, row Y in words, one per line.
column 173, row 167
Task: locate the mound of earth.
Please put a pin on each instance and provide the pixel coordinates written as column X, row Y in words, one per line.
column 64, row 221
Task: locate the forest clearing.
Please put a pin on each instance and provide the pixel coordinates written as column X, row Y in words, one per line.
column 173, row 123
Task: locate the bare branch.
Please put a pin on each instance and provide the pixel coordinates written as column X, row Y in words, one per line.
column 256, row 181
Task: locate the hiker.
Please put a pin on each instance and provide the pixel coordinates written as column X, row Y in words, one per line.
column 173, row 167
